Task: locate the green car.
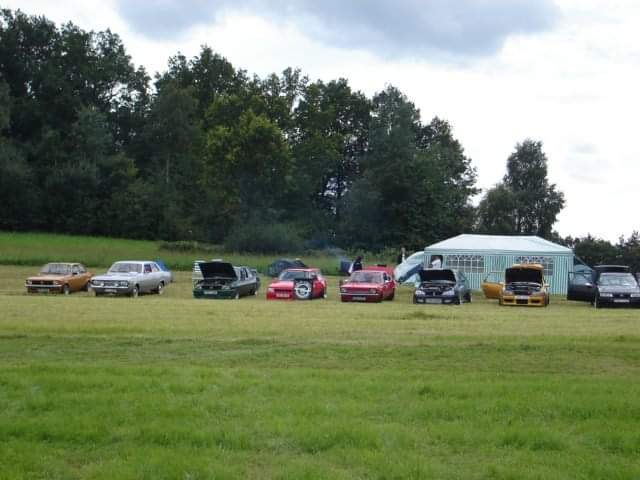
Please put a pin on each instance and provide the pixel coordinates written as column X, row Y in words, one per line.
column 221, row 280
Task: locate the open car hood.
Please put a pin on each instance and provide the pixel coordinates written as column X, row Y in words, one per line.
column 218, row 270
column 523, row 274
column 437, row 275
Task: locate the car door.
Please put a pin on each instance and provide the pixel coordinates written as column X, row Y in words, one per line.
column 492, row 285
column 148, row 280
column 581, row 287
column 243, row 283
column 76, row 281
column 389, row 285
column 84, row 275
column 463, row 286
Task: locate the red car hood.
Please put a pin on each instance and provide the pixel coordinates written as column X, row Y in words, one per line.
column 282, row 285
column 360, row 285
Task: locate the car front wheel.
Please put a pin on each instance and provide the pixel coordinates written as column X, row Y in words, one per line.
column 135, row 292
column 65, row 289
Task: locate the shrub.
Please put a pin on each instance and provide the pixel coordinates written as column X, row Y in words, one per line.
column 264, row 238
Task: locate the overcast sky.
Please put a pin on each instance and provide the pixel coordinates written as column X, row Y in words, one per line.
column 566, row 72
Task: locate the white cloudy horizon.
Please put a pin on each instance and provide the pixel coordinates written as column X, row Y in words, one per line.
column 564, row 72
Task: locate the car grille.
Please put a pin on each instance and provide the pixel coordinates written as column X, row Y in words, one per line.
column 621, row 295
column 41, row 282
column 110, row 283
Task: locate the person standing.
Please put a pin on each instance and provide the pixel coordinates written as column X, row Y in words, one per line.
column 356, row 265
column 402, row 257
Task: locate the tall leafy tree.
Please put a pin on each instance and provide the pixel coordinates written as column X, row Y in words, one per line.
column 330, row 140
column 531, row 204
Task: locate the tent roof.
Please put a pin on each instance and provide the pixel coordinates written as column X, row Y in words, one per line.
column 499, row 243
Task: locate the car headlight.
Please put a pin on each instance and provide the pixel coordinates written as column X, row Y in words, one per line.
column 123, row 283
column 373, row 290
column 507, row 292
column 419, row 293
column 607, row 295
column 635, row 295
column 96, row 283
column 448, row 293
column 343, row 290
column 29, row 282
column 270, row 290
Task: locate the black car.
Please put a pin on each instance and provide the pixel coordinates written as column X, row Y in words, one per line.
column 221, row 280
column 582, row 284
column 442, row 286
column 617, row 289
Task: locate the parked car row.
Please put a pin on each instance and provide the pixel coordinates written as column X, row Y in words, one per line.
column 123, row 278
column 523, row 285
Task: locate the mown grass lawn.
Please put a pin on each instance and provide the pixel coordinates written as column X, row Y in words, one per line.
column 172, row 387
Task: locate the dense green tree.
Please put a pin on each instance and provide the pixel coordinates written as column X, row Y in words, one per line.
column 328, row 146
column 421, row 178
column 525, row 202
column 247, row 166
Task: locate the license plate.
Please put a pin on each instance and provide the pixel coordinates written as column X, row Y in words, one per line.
column 620, row 300
column 43, row 290
column 282, row 295
column 210, row 292
column 359, row 299
column 110, row 290
column 522, row 297
column 433, row 300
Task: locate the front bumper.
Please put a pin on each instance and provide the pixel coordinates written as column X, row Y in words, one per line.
column 361, row 297
column 280, row 295
column 435, row 299
column 214, row 294
column 31, row 288
column 523, row 301
column 619, row 302
column 111, row 290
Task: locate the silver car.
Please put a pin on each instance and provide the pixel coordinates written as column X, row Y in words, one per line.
column 131, row 278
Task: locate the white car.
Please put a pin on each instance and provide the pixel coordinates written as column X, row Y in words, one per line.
column 131, row 277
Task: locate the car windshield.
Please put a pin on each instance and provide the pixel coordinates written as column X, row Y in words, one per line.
column 294, row 275
column 56, row 269
column 366, row 277
column 125, row 267
column 617, row 280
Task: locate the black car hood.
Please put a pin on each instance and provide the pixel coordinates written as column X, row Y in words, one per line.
column 527, row 275
column 218, row 270
column 436, row 274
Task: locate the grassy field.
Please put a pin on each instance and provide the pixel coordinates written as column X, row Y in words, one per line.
column 35, row 249
column 175, row 388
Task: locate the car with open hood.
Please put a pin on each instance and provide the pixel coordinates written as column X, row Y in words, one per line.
column 221, row 280
column 442, row 286
column 616, row 289
column 523, row 285
column 60, row 277
column 131, row 277
column 371, row 284
column 298, row 284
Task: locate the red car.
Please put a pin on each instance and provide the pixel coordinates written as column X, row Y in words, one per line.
column 298, row 283
column 371, row 284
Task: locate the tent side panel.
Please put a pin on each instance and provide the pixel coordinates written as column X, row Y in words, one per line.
column 499, row 261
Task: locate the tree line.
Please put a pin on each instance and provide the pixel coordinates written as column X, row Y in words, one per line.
column 91, row 144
